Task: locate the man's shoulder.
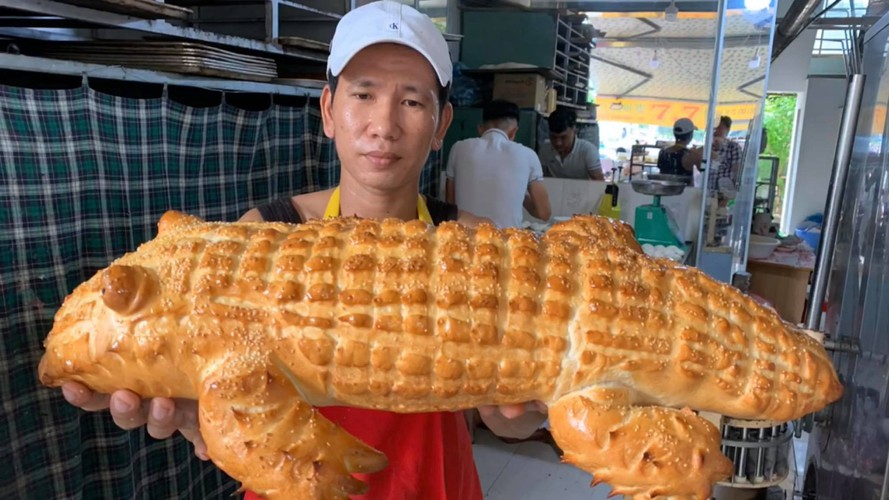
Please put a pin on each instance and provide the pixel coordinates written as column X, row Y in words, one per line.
column 586, row 144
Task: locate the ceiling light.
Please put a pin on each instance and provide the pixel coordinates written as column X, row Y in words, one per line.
column 671, row 13
column 757, row 5
column 754, row 61
column 617, row 106
column 654, row 63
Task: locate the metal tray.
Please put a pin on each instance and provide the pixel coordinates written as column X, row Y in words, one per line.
column 184, row 65
column 176, row 57
column 125, row 60
column 306, row 43
column 658, row 188
column 670, row 178
column 146, row 9
column 154, row 48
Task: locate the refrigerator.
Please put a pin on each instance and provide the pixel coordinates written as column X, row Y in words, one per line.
column 846, row 456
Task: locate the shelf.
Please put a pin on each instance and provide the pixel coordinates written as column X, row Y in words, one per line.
column 60, row 67
column 157, row 27
column 547, row 73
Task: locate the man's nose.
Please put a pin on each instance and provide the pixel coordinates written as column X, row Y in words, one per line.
column 385, row 121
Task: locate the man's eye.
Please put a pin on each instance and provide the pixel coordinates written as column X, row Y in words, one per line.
column 413, row 104
column 362, row 97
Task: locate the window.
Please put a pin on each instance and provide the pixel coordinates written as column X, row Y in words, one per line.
column 829, row 42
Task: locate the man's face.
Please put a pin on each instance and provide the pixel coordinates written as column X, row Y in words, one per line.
column 563, row 141
column 720, row 131
column 385, row 116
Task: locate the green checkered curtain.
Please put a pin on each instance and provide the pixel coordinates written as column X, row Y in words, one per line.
column 84, row 177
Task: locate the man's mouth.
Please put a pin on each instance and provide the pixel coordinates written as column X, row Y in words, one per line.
column 382, row 158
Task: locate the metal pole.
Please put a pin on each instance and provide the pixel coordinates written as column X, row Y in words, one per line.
column 711, row 113
column 834, row 200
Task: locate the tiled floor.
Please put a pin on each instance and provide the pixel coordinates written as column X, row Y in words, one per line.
column 529, row 470
column 532, row 471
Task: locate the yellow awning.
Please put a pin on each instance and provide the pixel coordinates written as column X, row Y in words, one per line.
column 663, row 113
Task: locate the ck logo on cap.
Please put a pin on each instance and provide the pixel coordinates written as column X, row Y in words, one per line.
column 393, row 26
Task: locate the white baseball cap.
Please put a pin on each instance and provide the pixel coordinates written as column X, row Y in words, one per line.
column 389, row 22
column 683, row 126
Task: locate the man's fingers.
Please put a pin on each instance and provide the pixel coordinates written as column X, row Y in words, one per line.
column 162, row 418
column 128, row 410
column 78, row 395
column 512, row 411
column 200, row 447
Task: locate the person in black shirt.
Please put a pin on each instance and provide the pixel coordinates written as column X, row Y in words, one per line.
column 679, row 159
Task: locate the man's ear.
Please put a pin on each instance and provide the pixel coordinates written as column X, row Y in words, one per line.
column 327, row 111
column 512, row 132
column 445, row 119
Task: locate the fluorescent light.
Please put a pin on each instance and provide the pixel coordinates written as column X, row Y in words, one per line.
column 671, row 13
column 757, row 5
column 754, row 61
column 654, row 63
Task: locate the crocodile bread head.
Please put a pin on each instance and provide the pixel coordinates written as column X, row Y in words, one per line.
column 262, row 322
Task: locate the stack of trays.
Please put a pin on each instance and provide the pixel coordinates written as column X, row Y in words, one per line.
column 147, row 9
column 174, row 57
column 304, row 43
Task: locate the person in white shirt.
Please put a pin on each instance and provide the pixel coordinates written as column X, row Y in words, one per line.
column 492, row 176
column 566, row 155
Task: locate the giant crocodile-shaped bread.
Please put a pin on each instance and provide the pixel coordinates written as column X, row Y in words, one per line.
column 260, row 322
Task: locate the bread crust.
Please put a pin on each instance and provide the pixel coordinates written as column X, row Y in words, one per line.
column 407, row 317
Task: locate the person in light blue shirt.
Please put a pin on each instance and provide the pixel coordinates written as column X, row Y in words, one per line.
column 492, row 176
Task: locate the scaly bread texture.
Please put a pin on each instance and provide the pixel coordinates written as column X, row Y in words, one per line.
column 407, row 317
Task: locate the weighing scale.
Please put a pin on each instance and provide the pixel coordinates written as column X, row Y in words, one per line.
column 653, row 224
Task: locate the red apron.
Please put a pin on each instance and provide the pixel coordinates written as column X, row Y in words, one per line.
column 430, row 454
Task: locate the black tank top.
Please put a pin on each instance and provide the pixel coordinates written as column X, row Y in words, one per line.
column 670, row 163
column 282, row 210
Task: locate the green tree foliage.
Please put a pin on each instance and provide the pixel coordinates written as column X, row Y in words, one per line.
column 780, row 112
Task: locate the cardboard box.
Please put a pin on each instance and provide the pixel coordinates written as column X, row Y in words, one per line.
column 526, row 90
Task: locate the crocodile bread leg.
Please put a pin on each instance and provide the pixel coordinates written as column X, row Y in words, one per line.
column 641, row 451
column 259, row 430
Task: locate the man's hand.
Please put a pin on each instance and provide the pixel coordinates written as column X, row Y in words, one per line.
column 516, row 421
column 162, row 416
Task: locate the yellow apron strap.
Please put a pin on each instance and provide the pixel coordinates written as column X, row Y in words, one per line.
column 423, row 212
column 333, row 207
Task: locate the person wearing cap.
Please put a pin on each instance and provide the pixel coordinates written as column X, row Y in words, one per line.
column 493, row 176
column 566, row 155
column 385, row 108
column 678, row 159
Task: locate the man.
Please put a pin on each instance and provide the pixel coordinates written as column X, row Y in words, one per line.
column 386, row 109
column 726, row 156
column 679, row 159
column 566, row 155
column 492, row 176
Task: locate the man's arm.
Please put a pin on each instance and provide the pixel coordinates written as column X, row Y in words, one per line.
column 251, row 215
column 450, row 197
column 537, row 201
column 593, row 163
column 469, row 219
column 514, row 421
column 694, row 158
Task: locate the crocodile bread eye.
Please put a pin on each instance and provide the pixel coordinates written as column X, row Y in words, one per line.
column 126, row 288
